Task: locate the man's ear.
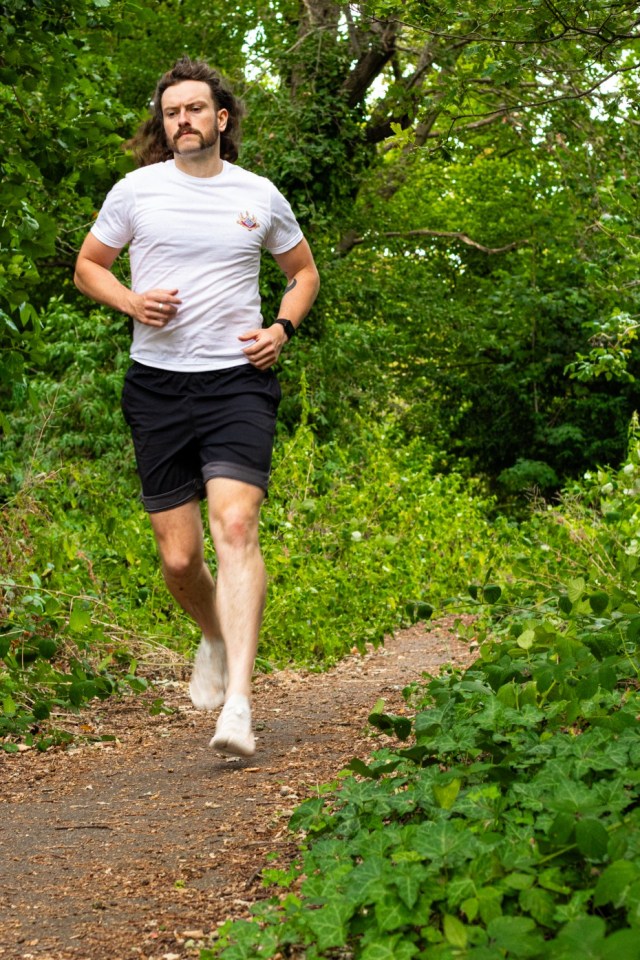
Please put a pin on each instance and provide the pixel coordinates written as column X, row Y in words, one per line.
column 223, row 117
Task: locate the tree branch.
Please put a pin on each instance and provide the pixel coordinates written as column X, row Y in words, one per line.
column 381, row 49
column 351, row 240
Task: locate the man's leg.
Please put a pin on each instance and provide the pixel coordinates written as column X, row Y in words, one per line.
column 179, row 536
column 234, row 509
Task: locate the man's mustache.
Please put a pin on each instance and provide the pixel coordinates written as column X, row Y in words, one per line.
column 182, row 133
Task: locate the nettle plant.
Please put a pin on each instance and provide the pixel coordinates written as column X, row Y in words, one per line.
column 505, row 821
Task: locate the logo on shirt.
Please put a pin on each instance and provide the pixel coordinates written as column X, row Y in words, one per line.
column 248, row 221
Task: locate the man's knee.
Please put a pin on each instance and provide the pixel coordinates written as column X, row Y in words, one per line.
column 234, row 509
column 234, row 527
column 179, row 565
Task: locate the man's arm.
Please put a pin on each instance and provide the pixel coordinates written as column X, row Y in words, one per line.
column 94, row 278
column 301, row 291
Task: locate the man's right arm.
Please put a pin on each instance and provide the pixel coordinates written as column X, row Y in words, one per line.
column 94, row 278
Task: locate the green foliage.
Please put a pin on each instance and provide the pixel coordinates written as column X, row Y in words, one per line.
column 505, row 821
column 356, row 541
column 70, row 128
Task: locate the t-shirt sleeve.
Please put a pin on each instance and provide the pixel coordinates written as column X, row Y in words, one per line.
column 284, row 232
column 113, row 225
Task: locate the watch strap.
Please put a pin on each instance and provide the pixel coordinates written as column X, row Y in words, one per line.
column 289, row 328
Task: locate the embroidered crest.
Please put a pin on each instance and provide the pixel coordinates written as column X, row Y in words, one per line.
column 248, row 221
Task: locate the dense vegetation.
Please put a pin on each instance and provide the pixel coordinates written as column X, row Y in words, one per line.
column 468, row 177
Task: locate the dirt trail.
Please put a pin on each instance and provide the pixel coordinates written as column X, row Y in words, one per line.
column 141, row 848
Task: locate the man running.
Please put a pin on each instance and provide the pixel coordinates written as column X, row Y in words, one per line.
column 201, row 396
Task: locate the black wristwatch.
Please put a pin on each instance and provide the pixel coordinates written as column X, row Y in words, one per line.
column 289, row 328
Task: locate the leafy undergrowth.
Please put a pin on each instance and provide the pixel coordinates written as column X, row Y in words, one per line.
column 506, row 821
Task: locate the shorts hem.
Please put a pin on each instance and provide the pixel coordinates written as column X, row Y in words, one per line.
column 174, row 498
column 236, row 471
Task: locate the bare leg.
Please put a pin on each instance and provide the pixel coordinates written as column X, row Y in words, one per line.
column 180, row 541
column 179, row 536
column 234, row 508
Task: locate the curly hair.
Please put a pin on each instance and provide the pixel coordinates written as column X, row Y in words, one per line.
column 149, row 143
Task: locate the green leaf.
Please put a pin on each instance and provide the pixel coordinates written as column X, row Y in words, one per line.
column 592, row 838
column 329, row 923
column 389, row 948
column 41, row 710
column 445, row 794
column 389, row 723
column 565, row 604
column 491, row 593
column 391, row 913
column 80, row 617
column 526, row 639
column 407, row 881
column 561, row 830
column 360, row 767
column 514, row 934
column 575, row 589
column 579, row 938
column 47, row 648
column 539, row 904
column 621, row 945
column 633, row 630
column 599, row 602
column 454, row 931
column 614, row 882
column 9, row 707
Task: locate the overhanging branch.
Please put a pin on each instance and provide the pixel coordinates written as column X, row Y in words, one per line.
column 351, row 240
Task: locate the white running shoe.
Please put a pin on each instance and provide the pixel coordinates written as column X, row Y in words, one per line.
column 234, row 735
column 209, row 677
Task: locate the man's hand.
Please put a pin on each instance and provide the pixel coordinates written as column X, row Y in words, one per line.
column 154, row 307
column 265, row 350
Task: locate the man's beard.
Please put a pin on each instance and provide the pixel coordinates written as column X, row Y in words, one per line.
column 206, row 143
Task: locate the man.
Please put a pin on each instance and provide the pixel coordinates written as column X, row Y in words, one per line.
column 201, row 397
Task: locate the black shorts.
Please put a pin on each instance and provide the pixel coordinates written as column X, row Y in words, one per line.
column 188, row 428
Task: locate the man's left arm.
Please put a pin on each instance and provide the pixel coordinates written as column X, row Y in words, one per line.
column 302, row 288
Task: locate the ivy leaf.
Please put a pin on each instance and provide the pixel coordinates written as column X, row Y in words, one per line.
column 389, row 948
column 442, row 842
column 391, row 913
column 329, row 923
column 407, row 883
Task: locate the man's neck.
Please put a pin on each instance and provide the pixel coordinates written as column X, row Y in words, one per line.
column 201, row 164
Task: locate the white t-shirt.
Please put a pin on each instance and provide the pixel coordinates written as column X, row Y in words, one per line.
column 203, row 237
